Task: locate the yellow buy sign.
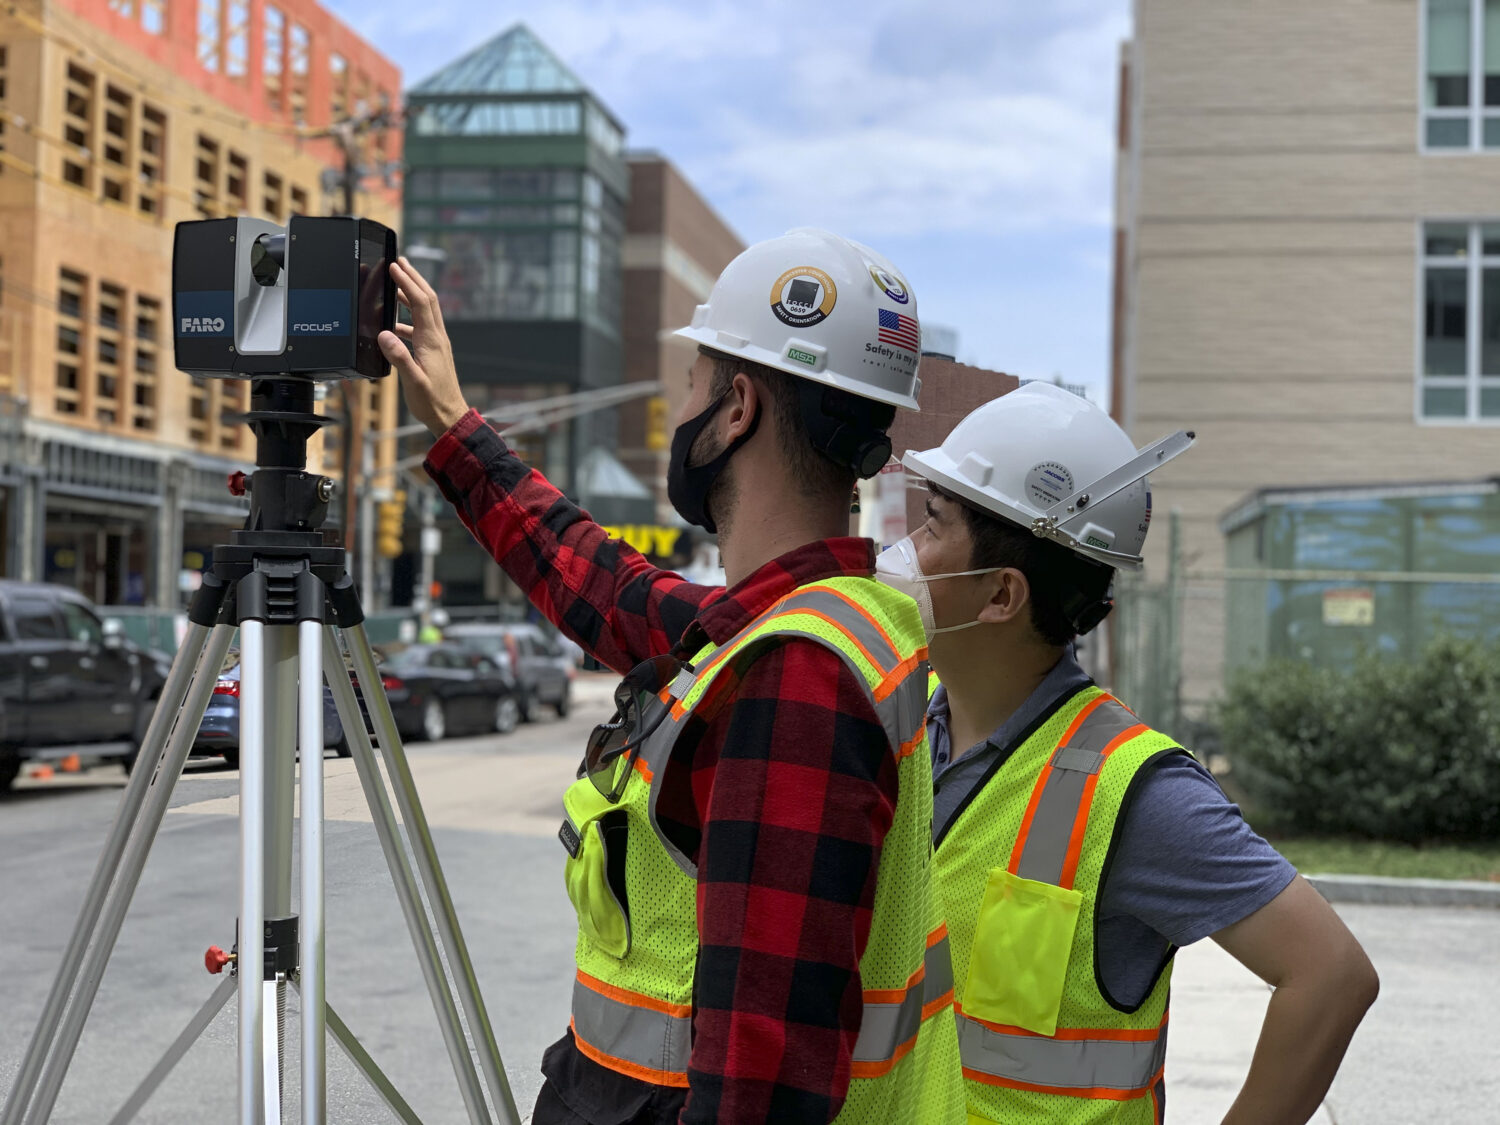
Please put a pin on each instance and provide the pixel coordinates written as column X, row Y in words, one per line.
column 646, row 538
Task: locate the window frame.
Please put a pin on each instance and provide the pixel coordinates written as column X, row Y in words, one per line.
column 1476, row 112
column 1474, row 380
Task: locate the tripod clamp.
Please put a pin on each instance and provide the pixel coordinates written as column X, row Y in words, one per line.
column 280, row 945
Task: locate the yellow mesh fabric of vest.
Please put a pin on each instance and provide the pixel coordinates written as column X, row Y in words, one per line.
column 982, row 838
column 926, row 1085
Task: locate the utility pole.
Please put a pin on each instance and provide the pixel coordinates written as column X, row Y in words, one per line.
column 347, row 134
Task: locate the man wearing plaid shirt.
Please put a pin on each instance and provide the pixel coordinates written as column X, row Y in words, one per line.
column 787, row 821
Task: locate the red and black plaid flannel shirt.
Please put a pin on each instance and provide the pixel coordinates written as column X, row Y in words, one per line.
column 786, row 819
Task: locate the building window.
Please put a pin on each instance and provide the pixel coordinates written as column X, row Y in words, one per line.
column 71, row 302
column 150, row 14
column 147, row 327
column 150, row 158
column 299, row 62
column 107, row 353
column 78, row 126
column 338, row 79
column 1460, row 371
column 273, row 61
column 1461, row 87
column 210, row 36
column 237, row 41
column 299, row 200
column 206, row 177
column 274, row 203
column 237, row 183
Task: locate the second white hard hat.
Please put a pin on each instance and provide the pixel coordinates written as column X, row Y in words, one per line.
column 1056, row 464
column 820, row 307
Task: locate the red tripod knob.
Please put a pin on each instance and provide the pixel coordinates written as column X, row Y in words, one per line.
column 215, row 959
column 236, row 484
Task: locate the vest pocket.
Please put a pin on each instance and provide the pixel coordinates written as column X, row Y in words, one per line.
column 594, row 871
column 1022, row 946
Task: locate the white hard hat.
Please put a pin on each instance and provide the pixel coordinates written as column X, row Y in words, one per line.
column 440, row 618
column 821, row 307
column 1056, row 464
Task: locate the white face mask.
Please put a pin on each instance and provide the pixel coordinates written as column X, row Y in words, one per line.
column 898, row 567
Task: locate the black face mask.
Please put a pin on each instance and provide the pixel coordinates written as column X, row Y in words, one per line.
column 688, row 486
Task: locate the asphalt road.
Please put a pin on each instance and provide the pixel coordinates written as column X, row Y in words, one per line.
column 1426, row 1052
column 494, row 804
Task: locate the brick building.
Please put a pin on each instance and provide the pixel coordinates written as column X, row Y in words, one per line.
column 1308, row 260
column 117, row 121
column 676, row 246
column 950, row 392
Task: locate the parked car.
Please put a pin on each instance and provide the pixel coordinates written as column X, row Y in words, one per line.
column 438, row 690
column 219, row 733
column 68, row 684
column 543, row 672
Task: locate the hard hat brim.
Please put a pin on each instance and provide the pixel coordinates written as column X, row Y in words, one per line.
column 936, row 466
column 753, row 353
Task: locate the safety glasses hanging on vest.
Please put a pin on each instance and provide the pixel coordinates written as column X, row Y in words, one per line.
column 615, row 745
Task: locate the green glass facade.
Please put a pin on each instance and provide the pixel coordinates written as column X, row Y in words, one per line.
column 1366, row 570
column 515, row 172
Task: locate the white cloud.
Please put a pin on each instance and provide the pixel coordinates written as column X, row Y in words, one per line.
column 932, row 125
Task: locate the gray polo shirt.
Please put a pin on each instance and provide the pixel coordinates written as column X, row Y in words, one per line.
column 1186, row 864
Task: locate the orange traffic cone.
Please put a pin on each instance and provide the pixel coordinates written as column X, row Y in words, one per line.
column 42, row 773
column 71, row 764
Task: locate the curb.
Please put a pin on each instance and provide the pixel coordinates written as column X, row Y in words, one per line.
column 1385, row 891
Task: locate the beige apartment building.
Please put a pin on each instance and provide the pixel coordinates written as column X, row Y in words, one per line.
column 119, row 119
column 1307, row 259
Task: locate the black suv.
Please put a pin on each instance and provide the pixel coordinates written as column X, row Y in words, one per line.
column 68, row 685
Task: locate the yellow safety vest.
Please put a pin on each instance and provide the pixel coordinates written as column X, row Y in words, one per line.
column 1018, row 871
column 636, row 895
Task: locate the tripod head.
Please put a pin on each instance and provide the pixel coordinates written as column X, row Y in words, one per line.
column 284, row 496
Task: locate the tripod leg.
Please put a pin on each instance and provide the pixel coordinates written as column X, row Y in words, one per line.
column 372, row 1072
column 407, row 892
column 311, row 933
column 180, row 1046
column 141, row 778
column 405, row 789
column 137, row 848
column 252, row 870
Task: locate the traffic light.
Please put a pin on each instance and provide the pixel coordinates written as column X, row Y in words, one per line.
column 389, row 528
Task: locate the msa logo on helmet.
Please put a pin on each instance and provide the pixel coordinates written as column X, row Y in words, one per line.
column 316, row 329
column 200, row 324
column 797, row 355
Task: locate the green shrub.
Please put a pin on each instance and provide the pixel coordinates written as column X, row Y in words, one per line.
column 1392, row 749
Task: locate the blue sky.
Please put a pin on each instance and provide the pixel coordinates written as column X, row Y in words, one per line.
column 971, row 141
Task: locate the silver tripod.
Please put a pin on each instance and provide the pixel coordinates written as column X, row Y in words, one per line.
column 290, row 598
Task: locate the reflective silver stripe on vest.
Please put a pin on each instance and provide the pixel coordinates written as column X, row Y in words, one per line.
column 1065, row 1064
column 884, row 1028
column 641, row 1036
column 1046, row 850
column 853, row 621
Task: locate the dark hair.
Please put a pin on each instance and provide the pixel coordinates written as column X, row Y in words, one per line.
column 1062, row 583
column 798, row 405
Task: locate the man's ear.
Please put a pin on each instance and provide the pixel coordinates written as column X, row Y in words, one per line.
column 740, row 410
column 1010, row 596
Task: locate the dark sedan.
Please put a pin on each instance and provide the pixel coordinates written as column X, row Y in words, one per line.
column 442, row 690
column 219, row 733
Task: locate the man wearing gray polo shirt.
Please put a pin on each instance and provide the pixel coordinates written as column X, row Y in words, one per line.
column 1076, row 848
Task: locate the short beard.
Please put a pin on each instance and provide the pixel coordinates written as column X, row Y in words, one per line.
column 719, row 502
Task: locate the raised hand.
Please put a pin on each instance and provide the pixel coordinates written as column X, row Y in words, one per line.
column 422, row 353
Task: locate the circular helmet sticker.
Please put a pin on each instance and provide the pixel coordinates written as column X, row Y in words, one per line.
column 891, row 285
column 803, row 296
column 1047, row 483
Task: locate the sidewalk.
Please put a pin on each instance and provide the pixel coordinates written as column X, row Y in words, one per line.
column 1425, row 1052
